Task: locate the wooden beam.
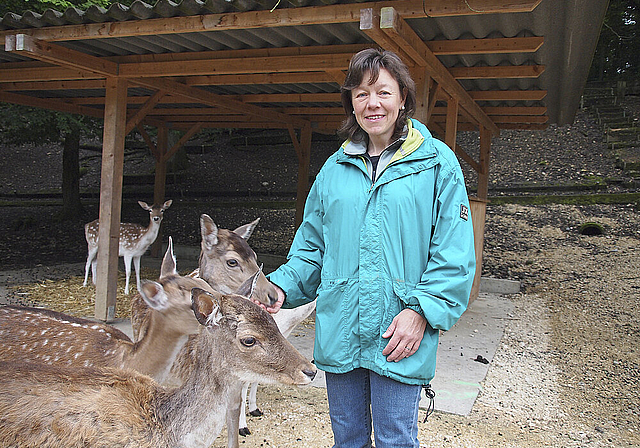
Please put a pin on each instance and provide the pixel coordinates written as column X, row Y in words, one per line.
column 160, row 181
column 498, row 71
column 340, row 13
column 451, row 129
column 139, row 115
column 46, row 103
column 152, row 147
column 53, row 85
column 110, row 198
column 398, row 29
column 267, row 64
column 485, row 46
column 263, row 78
column 184, row 139
column 55, row 54
column 485, row 156
column 508, row 95
column 303, row 151
column 205, row 97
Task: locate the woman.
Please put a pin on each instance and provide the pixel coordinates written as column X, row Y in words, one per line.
column 386, row 247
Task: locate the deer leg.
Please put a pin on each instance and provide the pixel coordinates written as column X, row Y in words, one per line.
column 243, row 429
column 136, row 265
column 253, row 405
column 90, row 263
column 233, row 415
column 127, row 270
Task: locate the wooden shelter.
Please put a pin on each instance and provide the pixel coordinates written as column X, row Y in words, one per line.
column 482, row 65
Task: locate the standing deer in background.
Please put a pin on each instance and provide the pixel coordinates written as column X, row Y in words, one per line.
column 134, row 240
column 49, row 337
column 48, row 407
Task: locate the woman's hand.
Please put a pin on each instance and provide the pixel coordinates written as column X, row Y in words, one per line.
column 406, row 332
column 276, row 306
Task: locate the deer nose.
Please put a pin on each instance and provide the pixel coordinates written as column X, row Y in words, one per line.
column 310, row 373
column 272, row 299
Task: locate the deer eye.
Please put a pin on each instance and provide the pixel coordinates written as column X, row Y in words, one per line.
column 232, row 263
column 248, row 341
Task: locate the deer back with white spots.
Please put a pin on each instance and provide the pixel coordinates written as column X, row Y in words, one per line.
column 49, row 406
column 49, row 337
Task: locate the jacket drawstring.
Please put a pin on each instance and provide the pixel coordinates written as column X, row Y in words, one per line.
column 431, row 395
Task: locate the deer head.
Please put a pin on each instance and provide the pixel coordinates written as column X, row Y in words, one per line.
column 226, row 260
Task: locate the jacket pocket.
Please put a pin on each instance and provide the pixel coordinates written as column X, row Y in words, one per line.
column 337, row 342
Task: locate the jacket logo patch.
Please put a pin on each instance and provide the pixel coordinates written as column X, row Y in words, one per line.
column 464, row 212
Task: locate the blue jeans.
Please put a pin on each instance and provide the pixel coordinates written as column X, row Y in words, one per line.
column 361, row 396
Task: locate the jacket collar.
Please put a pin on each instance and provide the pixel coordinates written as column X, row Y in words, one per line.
column 416, row 134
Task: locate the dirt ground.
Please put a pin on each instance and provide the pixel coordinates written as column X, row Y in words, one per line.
column 566, row 370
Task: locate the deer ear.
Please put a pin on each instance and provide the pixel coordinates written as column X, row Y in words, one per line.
column 247, row 287
column 144, row 205
column 154, row 295
column 208, row 231
column 246, row 230
column 168, row 266
column 206, row 307
column 167, row 204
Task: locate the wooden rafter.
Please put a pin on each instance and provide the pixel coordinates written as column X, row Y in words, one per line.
column 342, row 13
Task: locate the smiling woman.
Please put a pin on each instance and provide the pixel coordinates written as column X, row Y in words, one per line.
column 386, row 286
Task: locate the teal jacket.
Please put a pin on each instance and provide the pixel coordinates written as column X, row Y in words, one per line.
column 366, row 250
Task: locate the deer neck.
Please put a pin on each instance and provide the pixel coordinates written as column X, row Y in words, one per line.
column 195, row 411
column 154, row 354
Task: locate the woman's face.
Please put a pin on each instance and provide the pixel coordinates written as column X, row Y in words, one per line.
column 376, row 106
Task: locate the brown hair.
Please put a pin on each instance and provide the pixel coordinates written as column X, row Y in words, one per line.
column 370, row 61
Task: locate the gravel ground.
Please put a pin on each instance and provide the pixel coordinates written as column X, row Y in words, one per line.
column 566, row 371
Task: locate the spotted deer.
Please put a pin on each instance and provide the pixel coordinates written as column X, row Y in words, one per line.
column 51, row 406
column 49, row 337
column 133, row 242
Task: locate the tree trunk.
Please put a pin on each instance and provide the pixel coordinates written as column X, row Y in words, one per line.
column 71, row 205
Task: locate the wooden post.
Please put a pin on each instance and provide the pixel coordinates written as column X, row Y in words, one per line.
column 115, row 115
column 160, row 182
column 479, row 207
column 421, row 79
column 485, row 156
column 303, row 151
column 452, row 123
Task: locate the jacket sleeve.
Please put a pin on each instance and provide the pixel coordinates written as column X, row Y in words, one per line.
column 299, row 277
column 443, row 291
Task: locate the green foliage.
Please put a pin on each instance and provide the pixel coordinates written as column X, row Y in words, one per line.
column 617, row 55
column 22, row 124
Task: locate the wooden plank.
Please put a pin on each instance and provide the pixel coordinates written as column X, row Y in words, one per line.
column 342, row 13
column 268, row 64
column 205, row 97
column 44, row 103
column 110, row 198
column 183, row 140
column 139, row 115
column 397, row 28
column 53, row 85
column 486, row 46
column 261, row 78
column 303, row 151
column 451, row 128
column 26, row 45
column 507, row 95
column 498, row 71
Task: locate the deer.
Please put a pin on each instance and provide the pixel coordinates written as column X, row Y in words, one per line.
column 286, row 319
column 133, row 242
column 226, row 261
column 52, row 406
column 53, row 338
